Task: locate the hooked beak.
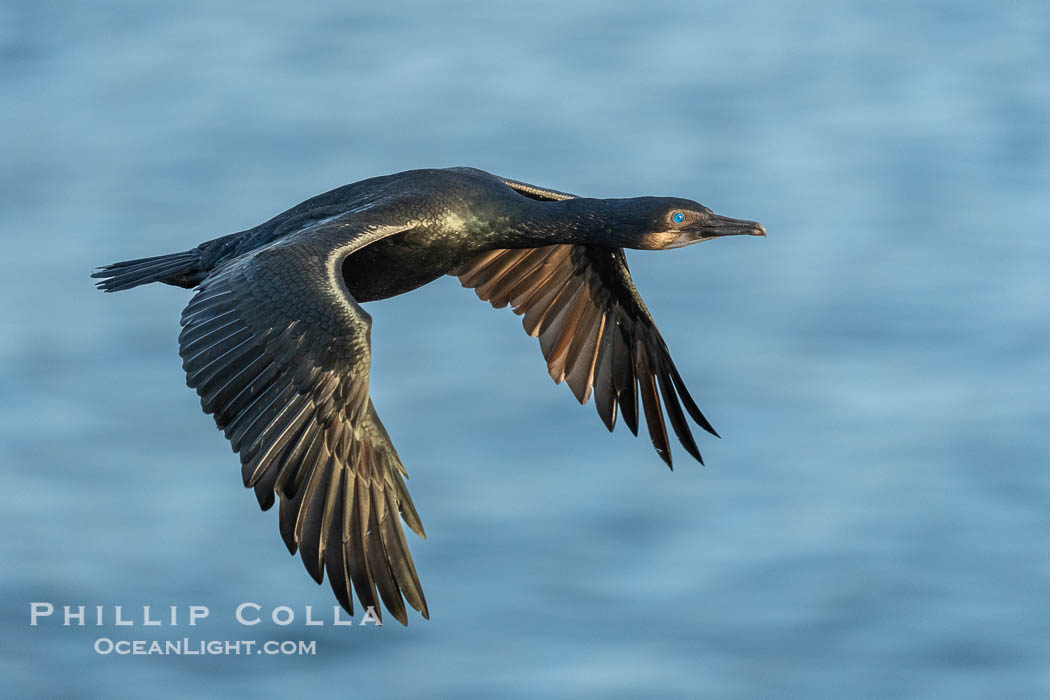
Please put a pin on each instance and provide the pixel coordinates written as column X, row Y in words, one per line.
column 717, row 226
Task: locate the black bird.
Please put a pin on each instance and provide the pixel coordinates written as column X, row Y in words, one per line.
column 277, row 345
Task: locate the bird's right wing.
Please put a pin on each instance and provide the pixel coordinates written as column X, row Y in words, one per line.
column 279, row 352
column 594, row 329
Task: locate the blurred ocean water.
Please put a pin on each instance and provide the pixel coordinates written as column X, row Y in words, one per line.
column 875, row 521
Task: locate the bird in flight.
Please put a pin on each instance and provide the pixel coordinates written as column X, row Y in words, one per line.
column 276, row 343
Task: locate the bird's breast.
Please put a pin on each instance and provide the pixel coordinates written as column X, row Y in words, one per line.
column 401, row 263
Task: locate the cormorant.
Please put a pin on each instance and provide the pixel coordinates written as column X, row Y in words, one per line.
column 277, row 345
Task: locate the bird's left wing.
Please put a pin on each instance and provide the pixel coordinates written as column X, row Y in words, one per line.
column 594, row 329
column 280, row 352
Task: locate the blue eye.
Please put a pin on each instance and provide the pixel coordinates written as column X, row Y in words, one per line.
column 678, row 217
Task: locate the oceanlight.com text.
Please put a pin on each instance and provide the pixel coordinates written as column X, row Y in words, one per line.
column 204, row 647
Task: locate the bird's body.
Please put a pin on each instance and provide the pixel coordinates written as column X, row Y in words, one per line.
column 278, row 347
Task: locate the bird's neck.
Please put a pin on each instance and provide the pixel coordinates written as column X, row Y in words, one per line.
column 581, row 221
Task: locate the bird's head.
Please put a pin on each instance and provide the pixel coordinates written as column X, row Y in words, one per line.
column 671, row 222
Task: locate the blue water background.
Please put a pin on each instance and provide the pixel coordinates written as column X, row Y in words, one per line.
column 876, row 520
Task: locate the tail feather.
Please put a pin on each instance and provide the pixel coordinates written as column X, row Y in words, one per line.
column 180, row 269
